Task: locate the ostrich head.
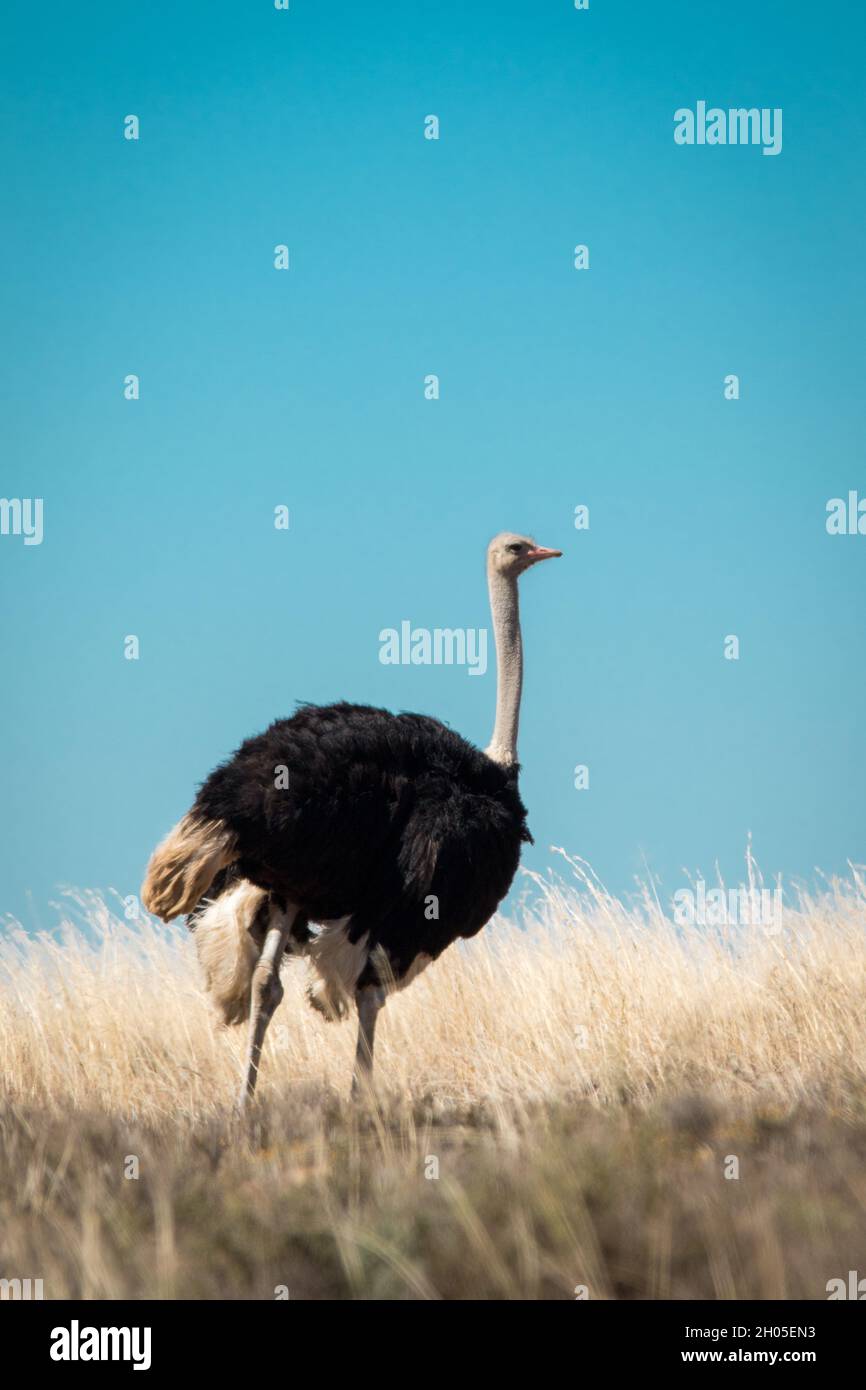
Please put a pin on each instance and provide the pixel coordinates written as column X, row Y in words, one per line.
column 508, row 555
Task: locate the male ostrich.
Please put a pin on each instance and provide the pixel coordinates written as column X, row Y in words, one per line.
column 389, row 831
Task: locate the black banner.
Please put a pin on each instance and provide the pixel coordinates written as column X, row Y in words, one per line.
column 82, row 1339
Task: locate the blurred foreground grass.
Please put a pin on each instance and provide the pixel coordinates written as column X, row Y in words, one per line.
column 316, row 1200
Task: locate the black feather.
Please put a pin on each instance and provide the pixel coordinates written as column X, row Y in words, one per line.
column 390, row 819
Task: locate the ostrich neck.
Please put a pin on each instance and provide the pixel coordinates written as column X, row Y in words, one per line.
column 505, row 610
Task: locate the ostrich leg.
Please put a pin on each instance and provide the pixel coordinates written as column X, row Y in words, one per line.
column 369, row 999
column 266, row 993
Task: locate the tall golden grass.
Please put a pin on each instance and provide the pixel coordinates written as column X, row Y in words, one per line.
column 559, row 1104
column 585, row 996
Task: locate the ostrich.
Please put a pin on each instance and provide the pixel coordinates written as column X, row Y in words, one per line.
column 389, row 832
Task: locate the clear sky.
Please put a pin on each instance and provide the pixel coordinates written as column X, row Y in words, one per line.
column 558, row 387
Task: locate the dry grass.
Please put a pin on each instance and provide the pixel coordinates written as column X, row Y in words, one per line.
column 587, row 997
column 580, row 1080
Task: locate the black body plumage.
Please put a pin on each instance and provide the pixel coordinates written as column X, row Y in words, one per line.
column 392, row 820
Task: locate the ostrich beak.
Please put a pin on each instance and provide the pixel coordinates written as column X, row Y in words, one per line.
column 542, row 553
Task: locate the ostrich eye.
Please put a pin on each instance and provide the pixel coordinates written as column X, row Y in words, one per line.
column 515, row 549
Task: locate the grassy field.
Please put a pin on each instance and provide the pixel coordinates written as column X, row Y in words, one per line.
column 591, row 1101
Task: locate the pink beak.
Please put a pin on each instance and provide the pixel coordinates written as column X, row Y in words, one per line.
column 542, row 553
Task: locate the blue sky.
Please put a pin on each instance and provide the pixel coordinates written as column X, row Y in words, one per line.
column 305, row 388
